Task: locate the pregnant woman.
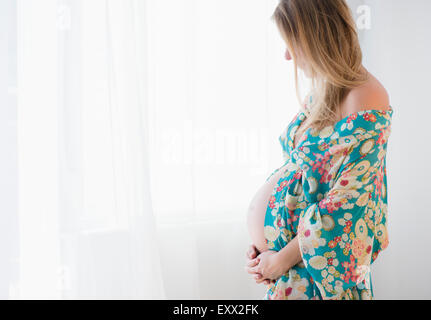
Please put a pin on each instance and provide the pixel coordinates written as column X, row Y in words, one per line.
column 319, row 221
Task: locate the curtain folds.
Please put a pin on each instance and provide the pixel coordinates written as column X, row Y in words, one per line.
column 89, row 232
column 143, row 131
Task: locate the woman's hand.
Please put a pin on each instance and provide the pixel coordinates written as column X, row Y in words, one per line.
column 271, row 266
column 252, row 261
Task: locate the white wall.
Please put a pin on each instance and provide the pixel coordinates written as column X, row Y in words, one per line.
column 397, row 50
column 8, row 147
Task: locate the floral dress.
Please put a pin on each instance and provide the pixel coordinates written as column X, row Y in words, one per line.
column 333, row 196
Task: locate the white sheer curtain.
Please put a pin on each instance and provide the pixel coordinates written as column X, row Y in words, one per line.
column 213, row 73
column 86, row 223
column 8, row 149
column 219, row 97
column 144, row 129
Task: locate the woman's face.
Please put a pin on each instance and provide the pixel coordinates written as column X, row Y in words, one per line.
column 300, row 61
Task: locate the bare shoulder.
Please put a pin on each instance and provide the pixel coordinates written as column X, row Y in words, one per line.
column 370, row 96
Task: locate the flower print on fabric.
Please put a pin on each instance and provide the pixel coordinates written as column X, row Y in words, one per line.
column 333, row 196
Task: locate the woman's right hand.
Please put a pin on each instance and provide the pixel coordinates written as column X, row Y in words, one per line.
column 251, row 262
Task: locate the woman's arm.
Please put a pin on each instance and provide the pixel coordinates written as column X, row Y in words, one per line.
column 290, row 255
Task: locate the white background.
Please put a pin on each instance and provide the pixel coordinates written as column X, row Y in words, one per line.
column 397, row 50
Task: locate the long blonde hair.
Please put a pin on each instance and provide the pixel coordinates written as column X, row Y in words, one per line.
column 324, row 33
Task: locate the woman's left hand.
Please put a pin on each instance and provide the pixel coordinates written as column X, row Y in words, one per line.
column 253, row 261
column 270, row 266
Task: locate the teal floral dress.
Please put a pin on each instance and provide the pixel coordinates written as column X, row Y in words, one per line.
column 333, row 196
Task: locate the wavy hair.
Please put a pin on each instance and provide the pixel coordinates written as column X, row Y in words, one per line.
column 323, row 34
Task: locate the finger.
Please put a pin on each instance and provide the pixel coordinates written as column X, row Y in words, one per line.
column 248, row 270
column 267, row 281
column 253, row 270
column 253, row 263
column 260, row 280
column 251, row 253
column 256, row 252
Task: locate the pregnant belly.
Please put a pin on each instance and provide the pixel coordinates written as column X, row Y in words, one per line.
column 257, row 211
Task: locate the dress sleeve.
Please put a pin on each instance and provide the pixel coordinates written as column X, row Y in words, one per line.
column 341, row 234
